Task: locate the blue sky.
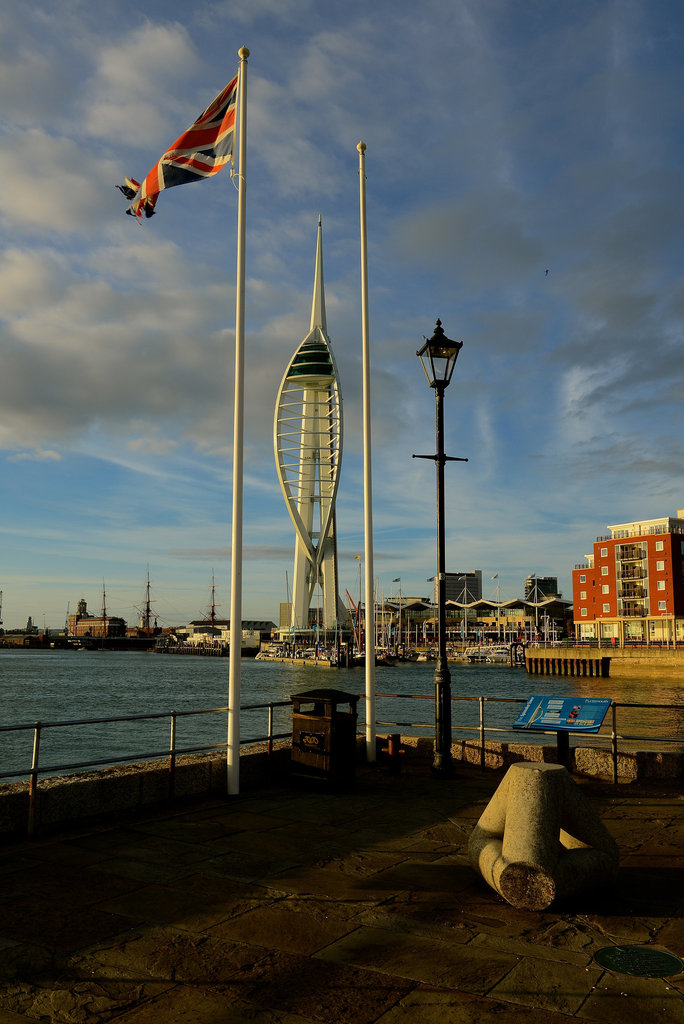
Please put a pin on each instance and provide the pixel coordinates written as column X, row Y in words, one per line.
column 504, row 139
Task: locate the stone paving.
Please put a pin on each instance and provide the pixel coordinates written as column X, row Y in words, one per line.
column 301, row 906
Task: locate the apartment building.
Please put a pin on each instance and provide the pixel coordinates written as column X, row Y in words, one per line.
column 631, row 588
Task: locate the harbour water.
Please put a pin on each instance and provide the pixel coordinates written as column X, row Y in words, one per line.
column 50, row 686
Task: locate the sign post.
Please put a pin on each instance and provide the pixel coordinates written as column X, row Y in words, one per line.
column 563, row 715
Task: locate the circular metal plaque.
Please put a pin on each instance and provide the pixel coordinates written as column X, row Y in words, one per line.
column 639, row 961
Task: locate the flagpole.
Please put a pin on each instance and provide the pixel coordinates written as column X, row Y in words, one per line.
column 367, row 476
column 233, row 749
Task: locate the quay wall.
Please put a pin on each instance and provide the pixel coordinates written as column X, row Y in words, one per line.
column 63, row 802
column 627, row 662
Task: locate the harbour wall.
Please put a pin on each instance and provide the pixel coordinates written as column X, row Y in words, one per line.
column 627, row 662
column 64, row 802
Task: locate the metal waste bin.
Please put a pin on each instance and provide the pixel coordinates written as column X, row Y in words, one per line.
column 323, row 736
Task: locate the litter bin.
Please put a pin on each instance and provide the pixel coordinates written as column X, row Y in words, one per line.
column 323, row 736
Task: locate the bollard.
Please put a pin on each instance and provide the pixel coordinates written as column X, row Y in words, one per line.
column 394, row 752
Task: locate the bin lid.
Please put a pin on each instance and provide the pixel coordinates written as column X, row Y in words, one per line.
column 323, row 693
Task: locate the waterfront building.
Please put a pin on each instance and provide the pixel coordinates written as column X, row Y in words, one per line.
column 514, row 619
column 308, row 450
column 85, row 624
column 631, row 587
column 539, row 587
column 462, row 586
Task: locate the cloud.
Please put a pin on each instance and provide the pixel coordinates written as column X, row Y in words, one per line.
column 472, row 239
column 262, row 553
column 52, row 185
column 37, row 455
column 138, row 88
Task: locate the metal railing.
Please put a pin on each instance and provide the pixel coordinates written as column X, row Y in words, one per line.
column 612, row 642
column 172, row 751
column 608, row 734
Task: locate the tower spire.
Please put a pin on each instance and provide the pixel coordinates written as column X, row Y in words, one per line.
column 318, row 304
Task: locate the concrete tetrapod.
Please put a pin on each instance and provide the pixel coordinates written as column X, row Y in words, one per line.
column 539, row 838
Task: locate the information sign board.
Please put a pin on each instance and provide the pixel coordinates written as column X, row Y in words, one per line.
column 566, row 714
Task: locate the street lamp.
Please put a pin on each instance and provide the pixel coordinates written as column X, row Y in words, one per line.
column 438, row 358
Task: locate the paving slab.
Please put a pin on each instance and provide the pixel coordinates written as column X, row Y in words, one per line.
column 429, row 1005
column 301, row 907
column 620, row 999
column 466, row 968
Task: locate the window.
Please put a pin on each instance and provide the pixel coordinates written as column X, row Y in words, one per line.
column 605, row 589
column 583, row 595
column 661, row 584
column 604, row 552
column 604, row 570
column 584, row 612
column 660, row 546
column 606, row 607
column 583, row 578
column 660, row 566
column 661, row 606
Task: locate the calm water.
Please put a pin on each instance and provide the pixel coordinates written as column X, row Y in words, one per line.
column 51, row 686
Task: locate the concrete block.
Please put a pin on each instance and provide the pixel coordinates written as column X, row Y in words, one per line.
column 14, row 803
column 193, row 776
column 657, row 764
column 598, row 764
column 155, row 787
column 495, row 754
column 539, row 838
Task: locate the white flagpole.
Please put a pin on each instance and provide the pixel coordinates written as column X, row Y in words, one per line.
column 233, row 750
column 367, row 476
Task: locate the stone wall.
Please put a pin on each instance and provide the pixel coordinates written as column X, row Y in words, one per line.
column 629, row 662
column 64, row 801
column 591, row 762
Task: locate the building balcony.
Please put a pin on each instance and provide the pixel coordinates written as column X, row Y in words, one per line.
column 631, row 593
column 631, row 610
column 632, row 572
column 629, row 552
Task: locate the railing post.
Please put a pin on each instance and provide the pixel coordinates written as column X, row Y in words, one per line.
column 33, row 781
column 613, row 740
column 269, row 745
column 482, row 733
column 172, row 757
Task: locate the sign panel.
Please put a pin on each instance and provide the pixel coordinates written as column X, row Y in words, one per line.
column 563, row 714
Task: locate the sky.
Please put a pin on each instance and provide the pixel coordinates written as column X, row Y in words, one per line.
column 524, row 184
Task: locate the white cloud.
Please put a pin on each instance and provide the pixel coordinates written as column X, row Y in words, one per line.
column 51, row 185
column 37, row 455
column 137, row 90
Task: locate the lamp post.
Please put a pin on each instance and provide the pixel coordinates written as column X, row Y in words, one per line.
column 438, row 357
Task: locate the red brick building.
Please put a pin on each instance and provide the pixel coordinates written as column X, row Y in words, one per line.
column 631, row 588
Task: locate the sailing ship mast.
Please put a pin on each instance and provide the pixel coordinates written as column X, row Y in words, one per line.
column 147, row 614
column 105, row 631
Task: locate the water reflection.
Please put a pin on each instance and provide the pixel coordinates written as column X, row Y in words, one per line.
column 58, row 685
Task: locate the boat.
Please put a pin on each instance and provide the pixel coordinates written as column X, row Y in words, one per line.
column 499, row 652
column 203, row 647
column 488, row 653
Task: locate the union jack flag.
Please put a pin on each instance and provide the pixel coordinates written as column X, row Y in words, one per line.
column 201, row 151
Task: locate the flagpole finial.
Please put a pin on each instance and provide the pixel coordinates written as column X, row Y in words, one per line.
column 361, row 147
column 243, row 53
